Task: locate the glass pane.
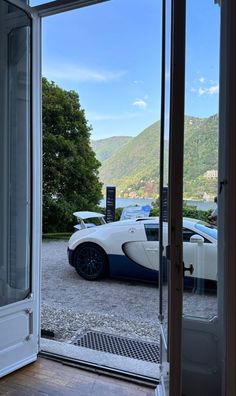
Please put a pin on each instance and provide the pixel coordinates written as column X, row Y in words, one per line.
column 15, row 160
column 165, row 171
column 201, row 158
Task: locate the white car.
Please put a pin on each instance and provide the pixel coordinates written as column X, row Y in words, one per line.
column 130, row 249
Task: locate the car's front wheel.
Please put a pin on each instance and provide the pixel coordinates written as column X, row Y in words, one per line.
column 90, row 261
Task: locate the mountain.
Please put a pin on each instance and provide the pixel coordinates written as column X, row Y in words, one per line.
column 133, row 168
column 200, row 156
column 134, row 165
column 105, row 148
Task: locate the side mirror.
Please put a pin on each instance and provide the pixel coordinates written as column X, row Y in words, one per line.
column 197, row 239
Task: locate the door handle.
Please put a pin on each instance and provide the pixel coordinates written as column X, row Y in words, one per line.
column 190, row 268
column 151, row 250
column 29, row 311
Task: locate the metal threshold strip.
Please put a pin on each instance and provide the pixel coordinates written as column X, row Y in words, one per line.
column 99, row 369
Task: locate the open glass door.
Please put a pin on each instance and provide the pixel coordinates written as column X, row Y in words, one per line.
column 200, row 237
column 171, row 187
column 190, row 358
column 20, row 186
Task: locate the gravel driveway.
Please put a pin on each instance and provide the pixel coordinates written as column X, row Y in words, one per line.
column 71, row 306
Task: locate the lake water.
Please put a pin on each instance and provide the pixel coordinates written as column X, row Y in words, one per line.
column 123, row 202
column 201, row 205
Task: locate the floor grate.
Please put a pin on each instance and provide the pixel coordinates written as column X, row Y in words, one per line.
column 141, row 350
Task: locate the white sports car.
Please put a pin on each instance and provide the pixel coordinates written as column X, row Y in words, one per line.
column 130, row 249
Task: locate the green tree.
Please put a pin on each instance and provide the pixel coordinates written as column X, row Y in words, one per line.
column 70, row 168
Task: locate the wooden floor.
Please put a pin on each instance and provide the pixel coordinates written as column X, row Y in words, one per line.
column 46, row 377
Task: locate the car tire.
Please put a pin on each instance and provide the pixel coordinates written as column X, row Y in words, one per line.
column 90, row 261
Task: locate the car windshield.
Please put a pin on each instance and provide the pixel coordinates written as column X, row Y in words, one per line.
column 207, row 229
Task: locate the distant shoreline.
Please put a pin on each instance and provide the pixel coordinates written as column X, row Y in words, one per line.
column 124, row 202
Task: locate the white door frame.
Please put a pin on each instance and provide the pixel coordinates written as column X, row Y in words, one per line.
column 20, row 321
column 227, row 178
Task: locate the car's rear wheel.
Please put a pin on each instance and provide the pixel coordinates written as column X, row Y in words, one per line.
column 90, row 261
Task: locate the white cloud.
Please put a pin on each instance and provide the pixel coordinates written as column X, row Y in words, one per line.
column 214, row 89
column 140, row 103
column 202, row 91
column 70, row 72
column 202, row 80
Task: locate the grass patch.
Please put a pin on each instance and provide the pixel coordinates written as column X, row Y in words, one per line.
column 57, row 235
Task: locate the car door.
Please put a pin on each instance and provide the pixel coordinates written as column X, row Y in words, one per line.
column 200, row 252
column 145, row 250
column 151, row 246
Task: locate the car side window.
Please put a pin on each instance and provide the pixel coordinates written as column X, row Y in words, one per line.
column 152, row 232
column 188, row 233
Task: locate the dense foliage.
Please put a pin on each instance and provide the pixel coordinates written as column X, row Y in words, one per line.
column 70, row 168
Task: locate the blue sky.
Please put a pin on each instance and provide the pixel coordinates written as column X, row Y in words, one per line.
column 111, row 55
